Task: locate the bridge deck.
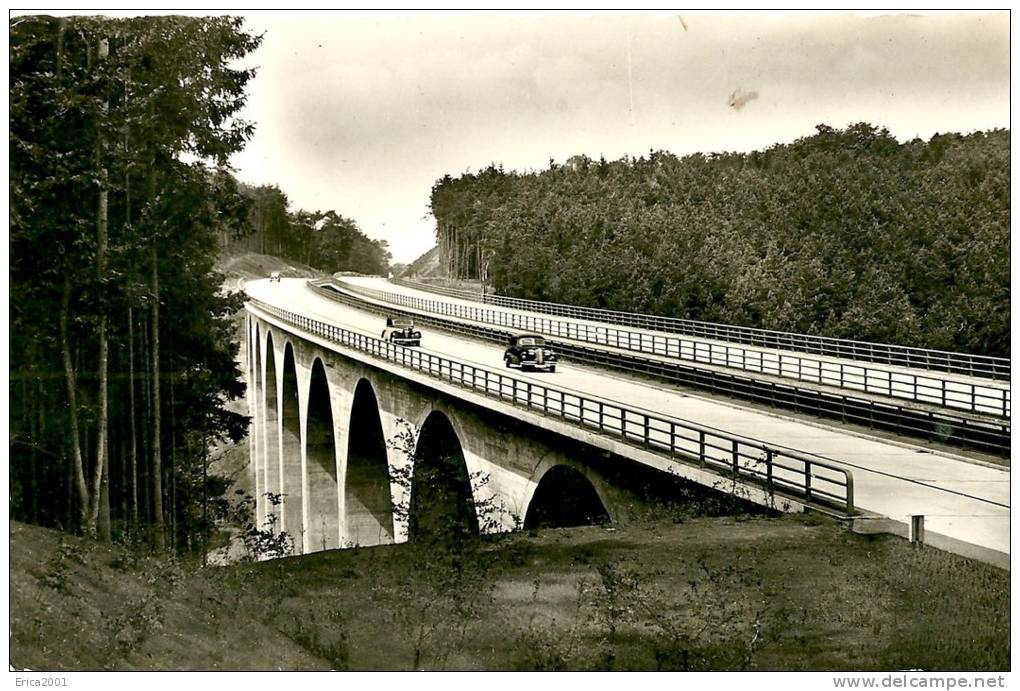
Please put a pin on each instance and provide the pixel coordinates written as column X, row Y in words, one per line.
column 924, row 389
column 962, row 500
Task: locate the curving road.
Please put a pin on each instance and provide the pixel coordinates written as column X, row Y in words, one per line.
column 962, row 500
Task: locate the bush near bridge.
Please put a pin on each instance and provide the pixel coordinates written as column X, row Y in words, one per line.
column 788, row 593
column 846, row 233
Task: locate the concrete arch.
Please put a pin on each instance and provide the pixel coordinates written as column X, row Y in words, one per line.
column 564, row 495
column 290, row 450
column 557, row 460
column 270, row 450
column 442, row 495
column 368, row 504
column 323, row 529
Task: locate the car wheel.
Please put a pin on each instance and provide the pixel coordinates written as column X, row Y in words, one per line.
column 553, row 368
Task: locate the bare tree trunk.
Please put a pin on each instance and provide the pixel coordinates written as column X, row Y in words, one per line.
column 40, row 429
column 133, row 455
column 173, row 454
column 144, row 472
column 159, row 533
column 133, row 458
column 72, row 404
column 103, row 528
column 68, row 466
column 102, row 432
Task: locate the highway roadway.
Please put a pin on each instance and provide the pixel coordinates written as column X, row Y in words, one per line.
column 961, row 499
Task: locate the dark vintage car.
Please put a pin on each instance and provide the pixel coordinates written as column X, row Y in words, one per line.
column 528, row 351
column 401, row 331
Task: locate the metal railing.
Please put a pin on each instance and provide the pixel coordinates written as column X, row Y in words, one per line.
column 884, row 353
column 933, row 389
column 735, row 459
column 941, row 426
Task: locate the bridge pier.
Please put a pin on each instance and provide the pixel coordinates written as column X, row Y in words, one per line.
column 292, row 462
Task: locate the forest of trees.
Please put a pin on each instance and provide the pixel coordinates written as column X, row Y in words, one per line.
column 322, row 239
column 120, row 340
column 845, row 233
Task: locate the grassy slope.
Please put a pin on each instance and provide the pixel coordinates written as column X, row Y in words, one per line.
column 760, row 593
column 248, row 265
column 424, row 266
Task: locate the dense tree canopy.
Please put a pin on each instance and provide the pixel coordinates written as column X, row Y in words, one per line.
column 322, row 239
column 845, row 233
column 121, row 353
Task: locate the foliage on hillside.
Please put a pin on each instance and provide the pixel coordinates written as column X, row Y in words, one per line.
column 322, row 239
column 846, row 233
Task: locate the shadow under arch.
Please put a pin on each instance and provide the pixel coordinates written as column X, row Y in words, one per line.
column 257, row 397
column 269, row 453
column 323, row 529
column 290, row 451
column 442, row 505
column 564, row 498
column 368, row 506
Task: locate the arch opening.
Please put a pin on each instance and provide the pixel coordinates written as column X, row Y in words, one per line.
column 442, row 505
column 323, row 530
column 290, row 452
column 270, row 451
column 565, row 498
column 368, row 507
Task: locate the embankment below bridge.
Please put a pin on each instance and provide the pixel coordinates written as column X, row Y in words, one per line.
column 795, row 592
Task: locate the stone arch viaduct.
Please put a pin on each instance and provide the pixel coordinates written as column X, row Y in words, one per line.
column 340, row 439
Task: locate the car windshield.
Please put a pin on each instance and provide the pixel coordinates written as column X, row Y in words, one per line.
column 530, row 341
column 402, row 323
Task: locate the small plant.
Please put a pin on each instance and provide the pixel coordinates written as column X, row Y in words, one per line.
column 261, row 543
column 139, row 620
column 59, row 567
column 323, row 634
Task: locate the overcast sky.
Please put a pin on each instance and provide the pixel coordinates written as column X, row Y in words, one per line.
column 362, row 114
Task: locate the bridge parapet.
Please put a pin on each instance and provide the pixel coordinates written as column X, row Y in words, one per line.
column 885, row 353
column 783, row 473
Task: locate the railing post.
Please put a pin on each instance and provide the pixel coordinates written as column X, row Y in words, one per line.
column 768, row 466
column 807, row 479
column 736, row 456
column 701, row 446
